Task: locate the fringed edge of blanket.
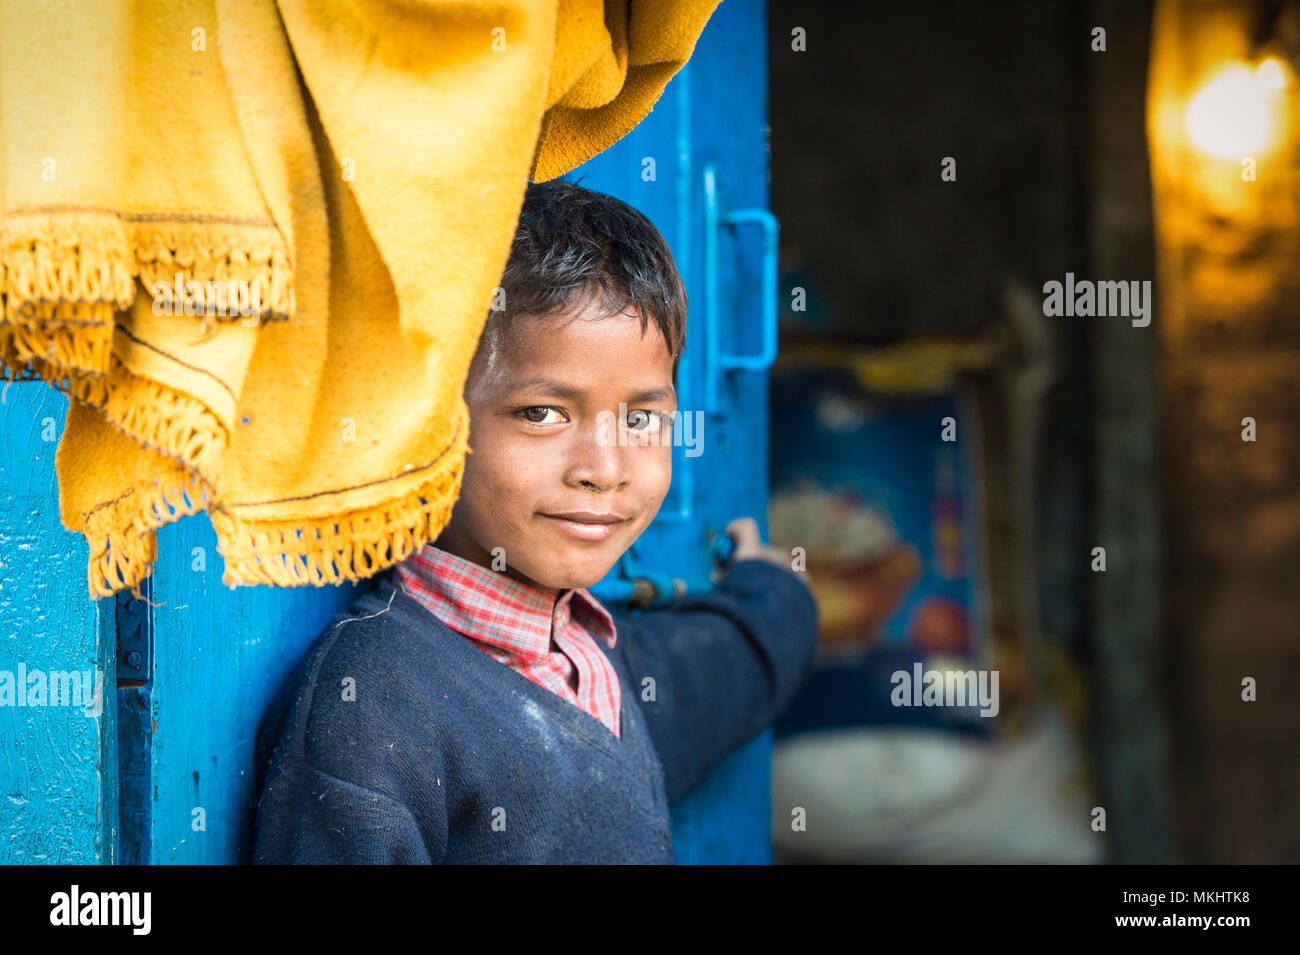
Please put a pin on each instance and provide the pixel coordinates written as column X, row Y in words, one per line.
column 347, row 547
column 64, row 275
column 61, row 352
column 170, row 422
column 123, row 533
column 120, row 533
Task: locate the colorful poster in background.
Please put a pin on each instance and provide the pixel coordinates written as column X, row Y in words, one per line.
column 884, row 509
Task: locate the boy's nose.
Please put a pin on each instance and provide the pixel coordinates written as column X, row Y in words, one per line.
column 592, row 486
column 599, row 465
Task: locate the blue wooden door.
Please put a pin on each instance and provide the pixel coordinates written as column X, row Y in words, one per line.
column 165, row 771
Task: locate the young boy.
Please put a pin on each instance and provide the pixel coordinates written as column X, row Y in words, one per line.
column 480, row 705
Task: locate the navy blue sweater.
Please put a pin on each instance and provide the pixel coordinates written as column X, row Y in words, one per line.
column 399, row 741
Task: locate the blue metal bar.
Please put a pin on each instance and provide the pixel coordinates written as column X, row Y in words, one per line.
column 716, row 362
column 712, row 223
column 653, row 589
column 666, row 589
column 771, row 246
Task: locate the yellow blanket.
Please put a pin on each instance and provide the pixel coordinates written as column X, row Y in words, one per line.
column 256, row 242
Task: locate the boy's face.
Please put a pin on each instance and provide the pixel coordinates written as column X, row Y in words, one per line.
column 546, row 440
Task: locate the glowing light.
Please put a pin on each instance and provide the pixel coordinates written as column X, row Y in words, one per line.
column 1273, row 74
column 1235, row 113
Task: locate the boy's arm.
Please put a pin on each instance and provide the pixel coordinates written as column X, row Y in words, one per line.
column 724, row 665
column 308, row 817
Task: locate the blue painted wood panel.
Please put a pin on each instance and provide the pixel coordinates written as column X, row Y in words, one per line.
column 58, row 789
column 219, row 655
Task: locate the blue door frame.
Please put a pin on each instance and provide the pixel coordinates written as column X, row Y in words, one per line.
column 165, row 771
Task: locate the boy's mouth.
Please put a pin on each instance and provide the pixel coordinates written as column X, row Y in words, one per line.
column 586, row 525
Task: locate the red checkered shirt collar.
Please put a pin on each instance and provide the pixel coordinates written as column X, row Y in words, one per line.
column 494, row 608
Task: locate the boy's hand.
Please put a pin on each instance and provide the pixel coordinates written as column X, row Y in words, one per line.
column 750, row 546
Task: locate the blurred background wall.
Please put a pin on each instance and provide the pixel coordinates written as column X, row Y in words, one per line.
column 1070, row 158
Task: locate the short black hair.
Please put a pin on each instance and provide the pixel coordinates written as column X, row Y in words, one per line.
column 572, row 242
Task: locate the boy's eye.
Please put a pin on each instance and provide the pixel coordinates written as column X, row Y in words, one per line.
column 542, row 410
column 647, row 421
